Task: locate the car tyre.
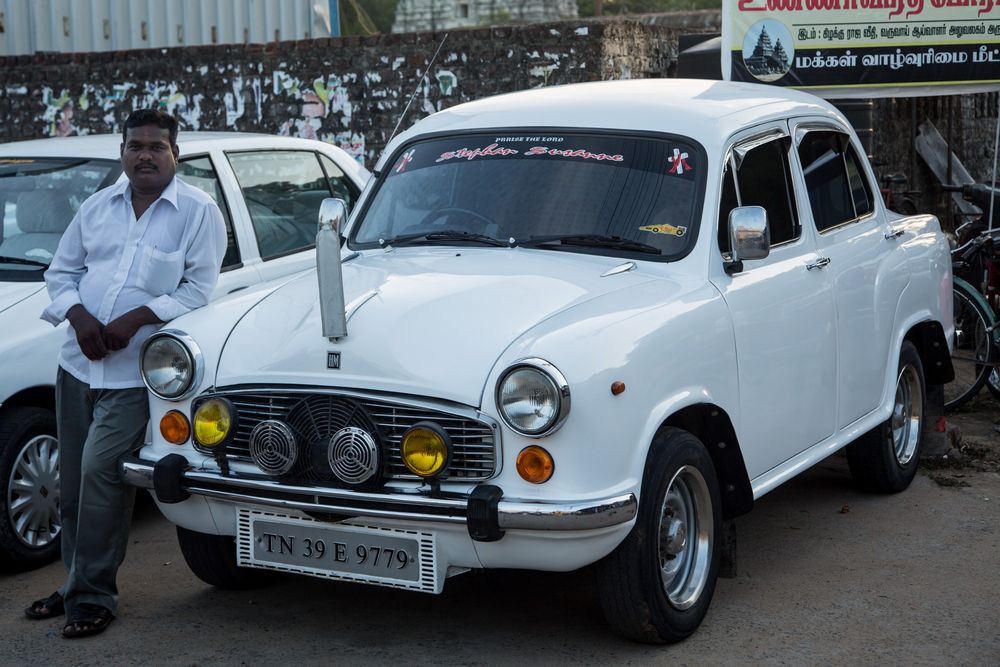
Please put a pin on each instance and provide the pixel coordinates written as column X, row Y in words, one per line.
column 212, row 558
column 29, row 489
column 656, row 586
column 885, row 459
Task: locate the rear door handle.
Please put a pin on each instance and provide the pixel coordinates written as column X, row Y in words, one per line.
column 818, row 264
column 894, row 234
column 237, row 289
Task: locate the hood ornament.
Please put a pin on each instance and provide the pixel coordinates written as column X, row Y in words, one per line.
column 332, row 215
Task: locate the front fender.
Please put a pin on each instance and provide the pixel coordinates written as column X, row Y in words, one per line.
column 670, row 343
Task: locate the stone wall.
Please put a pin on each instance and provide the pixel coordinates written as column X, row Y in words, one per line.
column 349, row 91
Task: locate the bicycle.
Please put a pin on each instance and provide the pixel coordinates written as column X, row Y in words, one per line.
column 896, row 199
column 976, row 344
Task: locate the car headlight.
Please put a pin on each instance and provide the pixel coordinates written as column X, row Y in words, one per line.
column 533, row 397
column 171, row 364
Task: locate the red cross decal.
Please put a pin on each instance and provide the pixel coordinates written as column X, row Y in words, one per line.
column 679, row 162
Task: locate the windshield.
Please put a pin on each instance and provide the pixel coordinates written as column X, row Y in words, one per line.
column 38, row 199
column 619, row 195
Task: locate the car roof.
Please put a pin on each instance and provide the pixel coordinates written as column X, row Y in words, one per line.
column 708, row 111
column 107, row 145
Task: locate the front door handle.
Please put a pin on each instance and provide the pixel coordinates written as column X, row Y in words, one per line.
column 818, row 264
column 237, row 289
column 894, row 234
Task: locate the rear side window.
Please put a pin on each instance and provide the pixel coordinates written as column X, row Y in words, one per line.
column 835, row 183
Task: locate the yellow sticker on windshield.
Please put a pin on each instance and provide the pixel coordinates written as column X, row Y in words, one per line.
column 16, row 161
column 664, row 229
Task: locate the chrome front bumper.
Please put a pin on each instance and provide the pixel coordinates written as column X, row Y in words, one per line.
column 502, row 514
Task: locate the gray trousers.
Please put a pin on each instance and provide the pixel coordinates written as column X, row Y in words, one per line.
column 97, row 427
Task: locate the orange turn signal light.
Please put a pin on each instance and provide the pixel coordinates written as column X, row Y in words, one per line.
column 535, row 465
column 175, row 428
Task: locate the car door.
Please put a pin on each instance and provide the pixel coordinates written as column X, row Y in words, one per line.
column 282, row 190
column 782, row 309
column 200, row 172
column 854, row 244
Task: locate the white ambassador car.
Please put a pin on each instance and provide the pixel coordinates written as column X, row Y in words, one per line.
column 574, row 325
column 269, row 190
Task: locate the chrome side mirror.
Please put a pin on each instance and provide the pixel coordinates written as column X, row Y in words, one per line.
column 332, row 213
column 749, row 236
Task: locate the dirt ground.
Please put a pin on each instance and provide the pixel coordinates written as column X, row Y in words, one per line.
column 827, row 575
column 974, row 434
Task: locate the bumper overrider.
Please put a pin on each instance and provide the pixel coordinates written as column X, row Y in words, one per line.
column 485, row 512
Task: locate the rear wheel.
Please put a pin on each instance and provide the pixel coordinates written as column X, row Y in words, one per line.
column 973, row 352
column 885, row 459
column 29, row 488
column 657, row 585
column 212, row 558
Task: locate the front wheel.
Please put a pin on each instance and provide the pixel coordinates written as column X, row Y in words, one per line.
column 212, row 558
column 657, row 585
column 29, row 489
column 885, row 459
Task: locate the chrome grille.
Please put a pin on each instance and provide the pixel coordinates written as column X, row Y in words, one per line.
column 474, row 447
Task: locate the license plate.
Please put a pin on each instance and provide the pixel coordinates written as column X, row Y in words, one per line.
column 370, row 554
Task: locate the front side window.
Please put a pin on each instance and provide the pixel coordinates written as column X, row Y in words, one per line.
column 38, row 199
column 283, row 191
column 340, row 184
column 200, row 173
column 838, row 191
column 618, row 195
column 763, row 178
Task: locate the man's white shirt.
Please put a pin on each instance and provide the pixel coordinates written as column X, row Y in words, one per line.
column 111, row 263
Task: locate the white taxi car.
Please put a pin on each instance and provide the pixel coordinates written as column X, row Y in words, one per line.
column 269, row 190
column 576, row 325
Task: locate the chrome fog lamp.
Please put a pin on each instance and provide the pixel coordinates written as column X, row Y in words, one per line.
column 533, row 397
column 171, row 364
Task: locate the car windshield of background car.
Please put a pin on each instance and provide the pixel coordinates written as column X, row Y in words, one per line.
column 619, row 195
column 38, row 199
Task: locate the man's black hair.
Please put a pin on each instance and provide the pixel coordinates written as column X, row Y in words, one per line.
column 161, row 119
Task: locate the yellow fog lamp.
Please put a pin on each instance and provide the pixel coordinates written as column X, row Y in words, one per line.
column 174, row 427
column 213, row 421
column 426, row 449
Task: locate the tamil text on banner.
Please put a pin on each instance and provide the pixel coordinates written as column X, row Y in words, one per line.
column 864, row 48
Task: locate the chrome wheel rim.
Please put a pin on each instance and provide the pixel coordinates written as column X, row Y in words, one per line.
column 33, row 492
column 907, row 415
column 685, row 537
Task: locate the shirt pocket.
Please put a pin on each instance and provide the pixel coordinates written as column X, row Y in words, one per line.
column 160, row 272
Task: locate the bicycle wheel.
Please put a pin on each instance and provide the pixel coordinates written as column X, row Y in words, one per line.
column 972, row 351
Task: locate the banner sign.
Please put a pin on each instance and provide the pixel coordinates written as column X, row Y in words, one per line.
column 864, row 48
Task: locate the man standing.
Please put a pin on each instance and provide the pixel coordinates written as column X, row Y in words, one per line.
column 137, row 254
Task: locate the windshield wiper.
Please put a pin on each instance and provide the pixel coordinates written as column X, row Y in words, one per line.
column 443, row 235
column 18, row 260
column 589, row 240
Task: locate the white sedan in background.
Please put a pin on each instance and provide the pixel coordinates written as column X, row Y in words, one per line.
column 269, row 190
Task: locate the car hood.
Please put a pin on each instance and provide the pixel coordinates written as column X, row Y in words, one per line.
column 14, row 293
column 422, row 321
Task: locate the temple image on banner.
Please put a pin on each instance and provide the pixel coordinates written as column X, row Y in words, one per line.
column 768, row 62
